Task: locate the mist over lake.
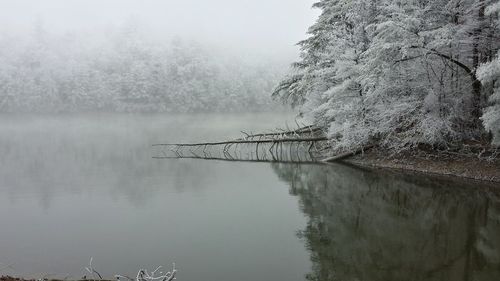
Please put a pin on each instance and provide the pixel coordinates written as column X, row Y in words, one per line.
column 228, row 140
column 79, row 186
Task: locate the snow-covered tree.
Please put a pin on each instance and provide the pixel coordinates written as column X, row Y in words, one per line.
column 126, row 70
column 489, row 74
column 399, row 73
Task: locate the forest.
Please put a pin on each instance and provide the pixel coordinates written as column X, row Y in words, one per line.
column 124, row 69
column 297, row 140
column 400, row 73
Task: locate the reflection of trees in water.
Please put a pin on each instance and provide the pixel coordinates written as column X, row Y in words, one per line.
column 45, row 155
column 375, row 226
column 52, row 156
column 120, row 170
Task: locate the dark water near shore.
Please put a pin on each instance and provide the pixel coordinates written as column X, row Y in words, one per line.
column 75, row 187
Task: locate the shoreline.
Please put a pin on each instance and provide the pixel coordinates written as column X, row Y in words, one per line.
column 468, row 167
column 11, row 278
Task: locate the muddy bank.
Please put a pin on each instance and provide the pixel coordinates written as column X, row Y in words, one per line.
column 469, row 166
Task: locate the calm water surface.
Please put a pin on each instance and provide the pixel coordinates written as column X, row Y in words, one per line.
column 75, row 187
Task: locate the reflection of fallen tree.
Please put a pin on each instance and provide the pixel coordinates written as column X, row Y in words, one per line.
column 305, row 144
column 300, row 145
column 234, row 160
column 311, row 144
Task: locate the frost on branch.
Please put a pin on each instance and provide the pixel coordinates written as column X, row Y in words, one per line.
column 400, row 73
column 489, row 74
column 142, row 275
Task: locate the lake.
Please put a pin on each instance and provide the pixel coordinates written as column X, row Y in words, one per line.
column 74, row 187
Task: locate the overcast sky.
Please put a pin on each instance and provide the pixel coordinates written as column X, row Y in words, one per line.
column 271, row 26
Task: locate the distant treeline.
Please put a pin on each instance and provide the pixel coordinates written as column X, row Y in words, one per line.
column 124, row 70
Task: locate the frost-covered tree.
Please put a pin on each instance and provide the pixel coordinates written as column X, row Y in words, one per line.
column 489, row 74
column 399, row 73
column 125, row 70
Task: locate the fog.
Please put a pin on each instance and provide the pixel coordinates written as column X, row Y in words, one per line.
column 142, row 133
column 263, row 26
column 80, row 187
column 86, row 186
column 146, row 56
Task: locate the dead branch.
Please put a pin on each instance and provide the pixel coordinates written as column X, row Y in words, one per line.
column 279, row 141
column 307, row 129
column 238, row 160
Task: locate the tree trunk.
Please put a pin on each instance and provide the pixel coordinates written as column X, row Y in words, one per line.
column 476, row 112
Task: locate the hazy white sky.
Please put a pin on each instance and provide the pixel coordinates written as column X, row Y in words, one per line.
column 271, row 26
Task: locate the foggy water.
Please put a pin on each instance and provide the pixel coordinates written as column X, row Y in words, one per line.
column 75, row 187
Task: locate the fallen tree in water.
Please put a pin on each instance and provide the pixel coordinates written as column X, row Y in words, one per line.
column 235, row 142
column 309, row 144
column 347, row 154
column 305, row 144
column 298, row 145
